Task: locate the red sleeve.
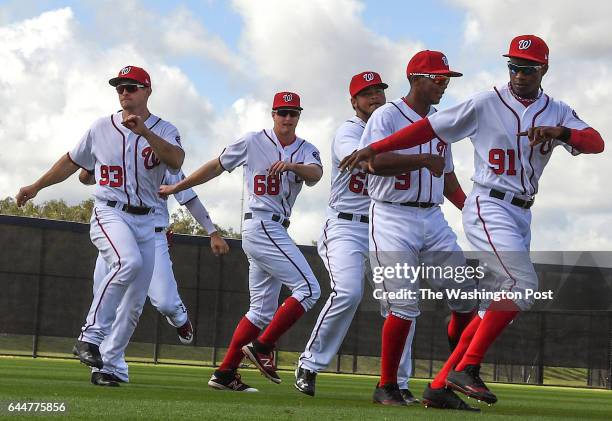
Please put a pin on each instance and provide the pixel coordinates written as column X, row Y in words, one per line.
column 413, row 135
column 457, row 198
column 586, row 140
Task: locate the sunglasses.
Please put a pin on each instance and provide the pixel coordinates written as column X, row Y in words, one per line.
column 437, row 79
column 130, row 87
column 527, row 70
column 285, row 113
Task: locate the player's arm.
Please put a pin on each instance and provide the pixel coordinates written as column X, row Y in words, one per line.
column 198, row 211
column 171, row 155
column 310, row 173
column 585, row 141
column 60, row 171
column 86, row 177
column 413, row 135
column 392, row 164
column 202, row 175
column 453, row 190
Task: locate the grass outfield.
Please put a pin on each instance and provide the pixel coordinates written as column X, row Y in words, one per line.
column 180, row 392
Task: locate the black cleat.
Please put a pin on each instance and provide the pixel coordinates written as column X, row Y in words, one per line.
column 263, row 359
column 469, row 383
column 89, row 354
column 229, row 380
column 388, row 394
column 104, row 379
column 305, row 381
column 445, row 398
column 408, row 396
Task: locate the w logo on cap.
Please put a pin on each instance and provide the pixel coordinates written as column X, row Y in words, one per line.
column 368, row 77
column 524, row 44
column 445, row 60
column 287, row 97
column 125, row 70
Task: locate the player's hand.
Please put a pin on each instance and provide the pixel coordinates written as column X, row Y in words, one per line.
column 170, row 238
column 542, row 134
column 280, row 167
column 136, row 124
column 435, row 164
column 86, row 177
column 352, row 161
column 218, row 245
column 26, row 193
column 166, row 190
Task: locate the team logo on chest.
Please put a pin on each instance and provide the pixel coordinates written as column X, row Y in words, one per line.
column 150, row 160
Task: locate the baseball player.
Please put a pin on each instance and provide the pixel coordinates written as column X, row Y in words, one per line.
column 514, row 127
column 343, row 245
column 129, row 152
column 163, row 291
column 277, row 164
column 406, row 223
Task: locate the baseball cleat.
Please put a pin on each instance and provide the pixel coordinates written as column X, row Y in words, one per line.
column 229, row 380
column 185, row 333
column 104, row 379
column 263, row 360
column 445, row 398
column 408, row 396
column 89, row 354
column 305, row 381
column 469, row 383
column 388, row 394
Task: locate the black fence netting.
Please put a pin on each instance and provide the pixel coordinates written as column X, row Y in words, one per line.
column 46, row 288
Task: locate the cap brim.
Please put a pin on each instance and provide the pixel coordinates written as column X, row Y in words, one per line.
column 287, row 108
column 449, row 73
column 524, row 57
column 382, row 85
column 116, row 81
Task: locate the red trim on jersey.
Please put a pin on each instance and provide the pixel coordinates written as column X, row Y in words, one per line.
column 484, row 225
column 109, row 281
column 123, row 168
column 535, row 190
column 78, row 165
column 518, row 138
column 376, row 249
column 586, row 140
column 414, row 135
column 418, row 199
column 430, row 177
column 136, row 160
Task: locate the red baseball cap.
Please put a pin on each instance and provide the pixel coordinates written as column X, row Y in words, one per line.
column 430, row 62
column 529, row 47
column 364, row 79
column 286, row 100
column 131, row 74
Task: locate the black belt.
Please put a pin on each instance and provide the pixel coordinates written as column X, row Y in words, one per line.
column 521, row 203
column 413, row 204
column 349, row 216
column 159, row 229
column 136, row 210
column 275, row 218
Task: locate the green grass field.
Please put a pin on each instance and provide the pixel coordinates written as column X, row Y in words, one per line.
column 181, row 392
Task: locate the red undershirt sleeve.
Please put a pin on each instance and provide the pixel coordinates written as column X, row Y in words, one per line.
column 413, row 135
column 586, row 140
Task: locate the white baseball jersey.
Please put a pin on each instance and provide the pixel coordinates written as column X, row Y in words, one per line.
column 492, row 120
column 162, row 216
column 349, row 192
column 415, row 186
column 257, row 151
column 125, row 167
